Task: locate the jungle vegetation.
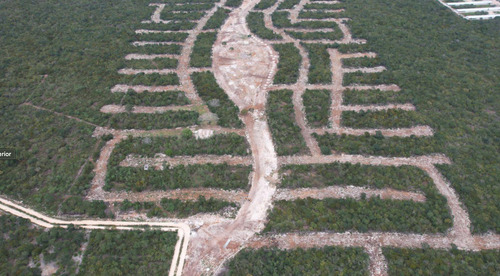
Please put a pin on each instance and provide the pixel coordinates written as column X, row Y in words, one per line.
column 317, row 105
column 404, row 178
column 152, row 98
column 284, row 129
column 256, row 25
column 217, row 20
column 192, row 176
column 427, row 261
column 447, row 67
column 391, row 118
column 327, row 260
column 22, row 243
column 146, row 252
column 201, row 56
column 217, row 100
column 288, row 65
column 264, row 4
column 377, row 144
column 288, row 4
column 363, row 215
column 185, row 144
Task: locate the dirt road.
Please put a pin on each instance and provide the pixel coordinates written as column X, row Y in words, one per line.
column 244, row 67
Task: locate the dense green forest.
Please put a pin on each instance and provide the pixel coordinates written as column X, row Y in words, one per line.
column 281, row 19
column 167, row 119
column 320, row 68
column 288, row 4
column 191, row 176
column 153, row 98
column 371, row 97
column 366, row 214
column 180, row 25
column 281, row 118
column 21, row 244
column 233, row 3
column 322, row 6
column 448, row 68
column 217, row 20
column 163, row 37
column 320, row 15
column 317, row 105
column 429, row 262
column 405, row 178
column 264, row 4
column 317, row 261
column 255, row 21
column 337, row 34
column 392, row 118
column 377, row 144
column 361, row 62
column 51, row 150
column 184, row 144
column 288, row 64
column 217, row 100
column 147, row 252
column 157, row 63
column 201, row 56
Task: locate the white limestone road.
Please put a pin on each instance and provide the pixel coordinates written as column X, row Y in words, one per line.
column 48, row 222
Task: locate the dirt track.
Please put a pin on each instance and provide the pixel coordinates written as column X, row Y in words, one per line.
column 243, row 68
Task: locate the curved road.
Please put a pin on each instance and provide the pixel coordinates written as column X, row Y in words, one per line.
column 244, row 67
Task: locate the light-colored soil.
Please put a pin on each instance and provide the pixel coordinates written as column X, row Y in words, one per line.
column 359, row 55
column 381, row 239
column 144, row 31
column 346, row 192
column 376, row 69
column 400, row 132
column 114, row 109
column 160, row 160
column 48, row 268
column 130, row 71
column 203, row 133
column 123, row 88
column 417, row 161
column 378, row 263
column 155, row 18
column 182, row 194
column 382, row 87
column 81, row 252
column 143, row 56
column 244, row 72
column 359, row 108
column 101, row 167
column 144, row 43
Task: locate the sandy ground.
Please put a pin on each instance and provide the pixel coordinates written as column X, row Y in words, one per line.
column 400, row 132
column 244, row 67
column 346, row 192
column 160, row 160
column 114, row 108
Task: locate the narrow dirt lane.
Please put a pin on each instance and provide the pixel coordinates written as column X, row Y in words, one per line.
column 244, row 67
